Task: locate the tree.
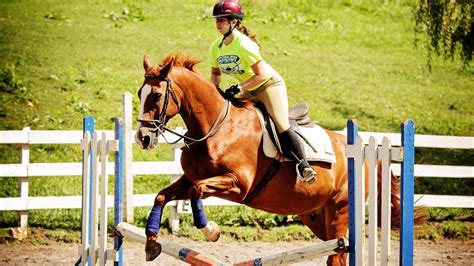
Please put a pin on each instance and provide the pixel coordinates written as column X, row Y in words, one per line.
column 449, row 25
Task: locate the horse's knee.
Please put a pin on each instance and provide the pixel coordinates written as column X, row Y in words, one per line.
column 160, row 200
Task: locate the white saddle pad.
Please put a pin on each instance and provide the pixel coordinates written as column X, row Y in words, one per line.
column 316, row 135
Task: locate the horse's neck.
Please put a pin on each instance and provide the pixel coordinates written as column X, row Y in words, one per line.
column 201, row 103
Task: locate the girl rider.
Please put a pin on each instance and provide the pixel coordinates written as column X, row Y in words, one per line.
column 237, row 54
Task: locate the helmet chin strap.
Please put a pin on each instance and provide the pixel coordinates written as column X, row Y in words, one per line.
column 227, row 34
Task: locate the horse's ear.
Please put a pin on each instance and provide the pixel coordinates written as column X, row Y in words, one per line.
column 147, row 63
column 167, row 69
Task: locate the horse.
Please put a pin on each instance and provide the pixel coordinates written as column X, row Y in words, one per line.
column 223, row 157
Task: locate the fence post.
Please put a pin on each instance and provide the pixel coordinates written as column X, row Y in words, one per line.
column 87, row 126
column 352, row 133
column 118, row 188
column 407, row 193
column 176, row 157
column 23, row 186
column 128, row 211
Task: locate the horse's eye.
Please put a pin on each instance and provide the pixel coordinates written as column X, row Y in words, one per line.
column 156, row 96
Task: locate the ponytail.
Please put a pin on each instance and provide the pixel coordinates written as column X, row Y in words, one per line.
column 247, row 33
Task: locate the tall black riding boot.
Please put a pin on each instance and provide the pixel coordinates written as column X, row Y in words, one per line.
column 294, row 149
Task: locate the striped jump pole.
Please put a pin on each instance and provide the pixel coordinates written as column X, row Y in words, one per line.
column 326, row 248
column 357, row 153
column 168, row 247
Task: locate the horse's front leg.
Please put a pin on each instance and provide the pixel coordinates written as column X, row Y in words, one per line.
column 178, row 190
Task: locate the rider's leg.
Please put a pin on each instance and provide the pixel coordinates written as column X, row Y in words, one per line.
column 293, row 148
column 275, row 99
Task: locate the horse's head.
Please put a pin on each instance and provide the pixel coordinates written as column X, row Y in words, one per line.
column 158, row 103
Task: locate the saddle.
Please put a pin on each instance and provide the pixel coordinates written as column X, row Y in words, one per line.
column 304, row 127
column 317, row 144
column 299, row 114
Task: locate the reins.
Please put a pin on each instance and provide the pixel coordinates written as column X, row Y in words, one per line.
column 160, row 126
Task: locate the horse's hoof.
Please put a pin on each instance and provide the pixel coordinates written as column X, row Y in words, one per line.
column 152, row 249
column 211, row 231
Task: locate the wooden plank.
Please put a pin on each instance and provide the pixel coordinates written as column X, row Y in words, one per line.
column 421, row 141
column 371, row 156
column 407, row 191
column 157, row 168
column 55, row 169
column 13, row 137
column 168, row 247
column 174, row 168
column 441, row 171
column 289, row 257
column 448, row 142
column 444, row 201
column 128, row 158
column 13, row 170
column 146, row 200
column 73, row 137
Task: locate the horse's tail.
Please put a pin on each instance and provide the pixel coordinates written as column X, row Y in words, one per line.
column 419, row 212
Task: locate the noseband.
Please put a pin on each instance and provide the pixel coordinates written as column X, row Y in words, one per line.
column 159, row 124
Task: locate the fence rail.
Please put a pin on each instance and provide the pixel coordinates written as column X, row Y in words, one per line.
column 28, row 137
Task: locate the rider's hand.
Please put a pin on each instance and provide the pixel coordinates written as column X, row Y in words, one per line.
column 232, row 91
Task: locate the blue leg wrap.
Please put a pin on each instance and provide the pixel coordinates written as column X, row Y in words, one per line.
column 154, row 220
column 200, row 220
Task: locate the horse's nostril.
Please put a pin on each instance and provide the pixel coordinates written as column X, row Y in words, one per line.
column 146, row 141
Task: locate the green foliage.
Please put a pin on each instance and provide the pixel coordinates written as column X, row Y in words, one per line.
column 442, row 214
column 9, row 81
column 130, row 13
column 449, row 26
column 55, row 16
column 454, row 229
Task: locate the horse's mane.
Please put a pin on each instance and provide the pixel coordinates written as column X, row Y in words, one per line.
column 181, row 61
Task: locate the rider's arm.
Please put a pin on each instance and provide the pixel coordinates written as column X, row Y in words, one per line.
column 258, row 79
column 215, row 76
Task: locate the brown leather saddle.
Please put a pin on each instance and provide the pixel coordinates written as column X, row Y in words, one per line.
column 299, row 113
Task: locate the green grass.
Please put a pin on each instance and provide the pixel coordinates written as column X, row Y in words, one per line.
column 63, row 60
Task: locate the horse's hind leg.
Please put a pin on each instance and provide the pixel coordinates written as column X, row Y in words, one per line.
column 330, row 224
column 210, row 229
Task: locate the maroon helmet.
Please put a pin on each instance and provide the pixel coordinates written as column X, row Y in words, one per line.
column 228, row 8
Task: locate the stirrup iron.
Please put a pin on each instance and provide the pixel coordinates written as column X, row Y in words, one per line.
column 308, row 174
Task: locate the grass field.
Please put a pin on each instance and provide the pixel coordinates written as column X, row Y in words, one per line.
column 62, row 60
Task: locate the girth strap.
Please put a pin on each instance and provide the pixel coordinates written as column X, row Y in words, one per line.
column 269, row 174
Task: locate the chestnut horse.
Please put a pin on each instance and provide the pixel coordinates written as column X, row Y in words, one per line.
column 223, row 156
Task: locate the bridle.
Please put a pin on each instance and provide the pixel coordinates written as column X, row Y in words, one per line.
column 159, row 124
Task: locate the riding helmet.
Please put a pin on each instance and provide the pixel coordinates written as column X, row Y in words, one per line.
column 228, row 8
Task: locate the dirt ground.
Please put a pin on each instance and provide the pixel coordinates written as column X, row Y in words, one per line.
column 446, row 252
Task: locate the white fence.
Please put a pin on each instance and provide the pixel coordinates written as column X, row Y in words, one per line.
column 25, row 169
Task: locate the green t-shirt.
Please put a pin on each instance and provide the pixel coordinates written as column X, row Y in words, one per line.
column 237, row 58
